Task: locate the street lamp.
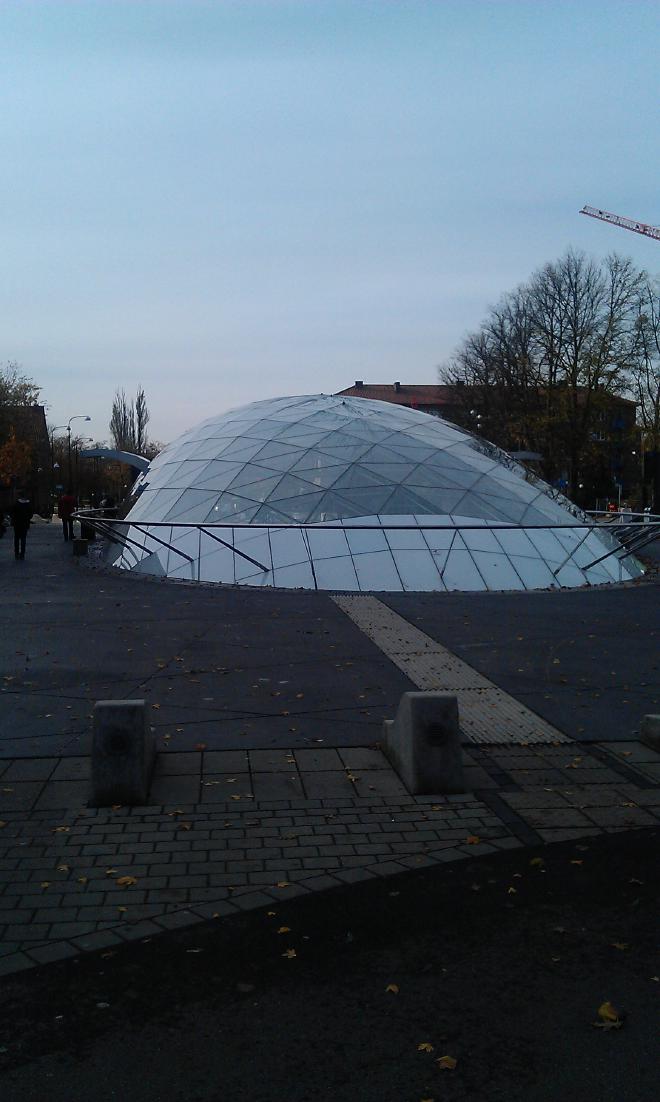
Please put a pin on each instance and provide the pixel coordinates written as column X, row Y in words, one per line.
column 76, row 417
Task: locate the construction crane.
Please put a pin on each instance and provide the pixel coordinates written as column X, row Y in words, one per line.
column 625, row 223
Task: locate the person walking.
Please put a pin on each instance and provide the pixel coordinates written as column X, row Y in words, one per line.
column 21, row 515
column 66, row 507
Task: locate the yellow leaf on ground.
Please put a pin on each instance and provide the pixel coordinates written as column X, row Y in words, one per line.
column 126, row 881
column 425, row 1047
column 45, row 884
column 122, row 909
column 282, row 884
column 3, row 823
column 472, row 839
column 447, row 1062
column 82, row 879
column 577, row 861
column 536, row 862
column 63, row 868
column 284, row 930
column 607, row 1012
column 289, row 954
column 393, row 987
column 185, row 826
column 620, row 945
column 61, row 830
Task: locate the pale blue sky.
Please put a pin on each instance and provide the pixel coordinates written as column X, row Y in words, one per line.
column 231, row 200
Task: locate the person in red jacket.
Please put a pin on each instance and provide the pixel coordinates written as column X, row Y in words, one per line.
column 66, row 506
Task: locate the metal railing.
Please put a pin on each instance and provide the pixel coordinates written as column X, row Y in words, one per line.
column 630, row 537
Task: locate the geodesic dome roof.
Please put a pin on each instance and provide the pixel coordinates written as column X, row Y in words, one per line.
column 322, row 459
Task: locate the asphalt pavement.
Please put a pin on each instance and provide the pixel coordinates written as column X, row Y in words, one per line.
column 499, row 963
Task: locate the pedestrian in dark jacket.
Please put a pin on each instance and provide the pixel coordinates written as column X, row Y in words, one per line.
column 66, row 507
column 21, row 515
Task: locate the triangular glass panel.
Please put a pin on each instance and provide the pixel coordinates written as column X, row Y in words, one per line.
column 251, row 472
column 192, row 505
column 231, row 507
column 299, row 507
column 291, row 486
column 258, row 491
column 358, row 477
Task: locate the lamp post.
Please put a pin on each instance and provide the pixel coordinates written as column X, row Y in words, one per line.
column 76, row 417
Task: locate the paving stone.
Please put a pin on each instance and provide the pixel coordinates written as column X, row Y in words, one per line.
column 174, row 790
column 359, row 757
column 319, row 883
column 555, row 817
column 272, row 761
column 327, row 783
column 178, row 920
column 218, row 909
column 29, row 769
column 100, row 939
column 48, row 954
column 275, row 786
column 566, row 834
column 63, row 794
column 620, row 816
column 20, row 796
column 138, row 930
column 313, row 760
column 632, row 752
column 354, row 876
column 537, row 776
column 225, row 761
column 251, row 900
column 534, row 798
column 73, row 769
column 380, row 782
column 169, row 765
column 15, row 962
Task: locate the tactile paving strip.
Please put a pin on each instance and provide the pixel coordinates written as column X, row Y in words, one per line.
column 487, row 713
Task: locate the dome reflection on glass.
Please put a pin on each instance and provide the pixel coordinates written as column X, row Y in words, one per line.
column 346, row 461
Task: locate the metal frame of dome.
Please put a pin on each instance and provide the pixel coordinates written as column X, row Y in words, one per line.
column 336, row 493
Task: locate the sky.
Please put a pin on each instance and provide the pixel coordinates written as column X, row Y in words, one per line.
column 228, row 201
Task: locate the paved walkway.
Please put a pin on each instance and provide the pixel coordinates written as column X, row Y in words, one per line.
column 233, row 825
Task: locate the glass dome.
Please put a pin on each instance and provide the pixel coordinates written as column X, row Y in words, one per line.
column 439, row 507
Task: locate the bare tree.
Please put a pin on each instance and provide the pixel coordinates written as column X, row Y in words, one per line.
column 141, row 421
column 547, row 359
column 645, row 380
column 128, row 423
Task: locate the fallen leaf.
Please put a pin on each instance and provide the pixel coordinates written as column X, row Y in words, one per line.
column 126, row 881
column 122, row 909
column 45, row 884
column 512, row 891
column 82, row 879
column 284, row 930
column 185, row 826
column 447, row 1062
column 289, row 954
column 425, row 1047
column 61, row 830
column 472, row 840
column 620, row 945
column 393, row 988
column 577, row 861
column 608, row 1013
column 282, row 884
column 536, row 862
column 63, row 868
column 200, row 746
column 3, row 823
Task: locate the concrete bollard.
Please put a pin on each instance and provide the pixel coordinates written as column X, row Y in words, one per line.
column 423, row 743
column 123, row 753
column 649, row 732
column 79, row 547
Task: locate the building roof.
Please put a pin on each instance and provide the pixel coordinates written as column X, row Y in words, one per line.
column 417, row 395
